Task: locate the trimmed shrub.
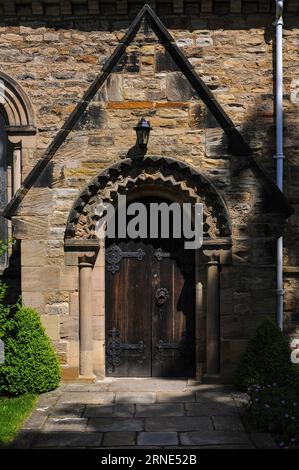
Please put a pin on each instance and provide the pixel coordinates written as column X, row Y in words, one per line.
column 31, row 363
column 276, row 410
column 267, row 360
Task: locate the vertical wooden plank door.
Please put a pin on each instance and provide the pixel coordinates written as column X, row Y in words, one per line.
column 150, row 300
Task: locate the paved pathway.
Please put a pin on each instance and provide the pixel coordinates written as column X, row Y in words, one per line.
column 136, row 413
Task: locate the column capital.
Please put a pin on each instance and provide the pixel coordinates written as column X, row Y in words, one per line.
column 212, row 256
column 86, row 260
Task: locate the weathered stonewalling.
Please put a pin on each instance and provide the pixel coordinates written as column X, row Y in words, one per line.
column 233, row 54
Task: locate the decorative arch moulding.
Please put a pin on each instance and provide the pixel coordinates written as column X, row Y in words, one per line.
column 162, row 173
column 16, row 106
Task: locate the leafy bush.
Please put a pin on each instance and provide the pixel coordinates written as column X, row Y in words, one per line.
column 267, row 360
column 276, row 410
column 31, row 364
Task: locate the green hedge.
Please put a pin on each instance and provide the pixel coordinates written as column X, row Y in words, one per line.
column 31, row 363
column 267, row 360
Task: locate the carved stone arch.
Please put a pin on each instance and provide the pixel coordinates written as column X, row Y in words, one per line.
column 15, row 104
column 20, row 129
column 158, row 175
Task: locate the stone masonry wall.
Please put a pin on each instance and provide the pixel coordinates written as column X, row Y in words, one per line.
column 234, row 56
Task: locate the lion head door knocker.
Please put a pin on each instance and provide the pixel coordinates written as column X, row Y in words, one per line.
column 161, row 296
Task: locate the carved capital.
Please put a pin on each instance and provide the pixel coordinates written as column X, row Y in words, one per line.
column 86, row 260
column 212, row 256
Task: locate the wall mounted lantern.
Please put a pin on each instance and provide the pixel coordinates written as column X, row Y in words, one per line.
column 143, row 129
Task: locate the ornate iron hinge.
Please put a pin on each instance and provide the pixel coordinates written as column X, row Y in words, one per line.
column 114, row 255
column 115, row 348
column 160, row 254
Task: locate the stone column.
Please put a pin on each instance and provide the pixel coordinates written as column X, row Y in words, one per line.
column 198, row 319
column 198, row 332
column 213, row 318
column 16, row 170
column 85, row 305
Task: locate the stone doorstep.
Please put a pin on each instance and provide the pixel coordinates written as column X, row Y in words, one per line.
column 96, row 387
column 146, row 385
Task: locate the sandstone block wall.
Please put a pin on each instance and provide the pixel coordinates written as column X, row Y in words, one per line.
column 234, row 55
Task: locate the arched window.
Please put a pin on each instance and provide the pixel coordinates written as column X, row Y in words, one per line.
column 3, row 185
column 17, row 130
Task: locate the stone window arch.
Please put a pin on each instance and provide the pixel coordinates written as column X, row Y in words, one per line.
column 17, row 136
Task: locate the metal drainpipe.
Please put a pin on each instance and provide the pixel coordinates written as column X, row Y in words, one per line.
column 279, row 152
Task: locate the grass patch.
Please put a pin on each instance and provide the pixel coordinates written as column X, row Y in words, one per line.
column 13, row 412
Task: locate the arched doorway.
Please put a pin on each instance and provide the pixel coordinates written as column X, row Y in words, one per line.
column 118, row 280
column 149, row 304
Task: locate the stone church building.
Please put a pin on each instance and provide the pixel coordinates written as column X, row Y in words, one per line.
column 76, row 77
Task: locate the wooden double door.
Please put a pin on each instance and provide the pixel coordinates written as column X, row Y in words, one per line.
column 150, row 309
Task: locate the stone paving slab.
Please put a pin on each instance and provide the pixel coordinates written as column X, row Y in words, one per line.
column 141, row 413
column 160, row 409
column 178, row 423
column 98, row 411
column 65, row 424
column 68, row 439
column 227, row 423
column 88, row 398
column 71, row 410
column 130, row 397
column 211, row 409
column 157, row 438
column 214, row 397
column 119, row 438
column 180, row 397
column 36, row 420
column 124, row 410
column 204, row 438
column 115, row 424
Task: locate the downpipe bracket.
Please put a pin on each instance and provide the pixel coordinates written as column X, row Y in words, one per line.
column 279, row 157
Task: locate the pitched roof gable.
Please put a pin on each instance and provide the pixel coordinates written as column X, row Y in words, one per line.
column 237, row 144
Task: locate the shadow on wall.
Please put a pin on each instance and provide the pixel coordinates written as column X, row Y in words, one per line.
column 259, row 132
column 109, row 18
